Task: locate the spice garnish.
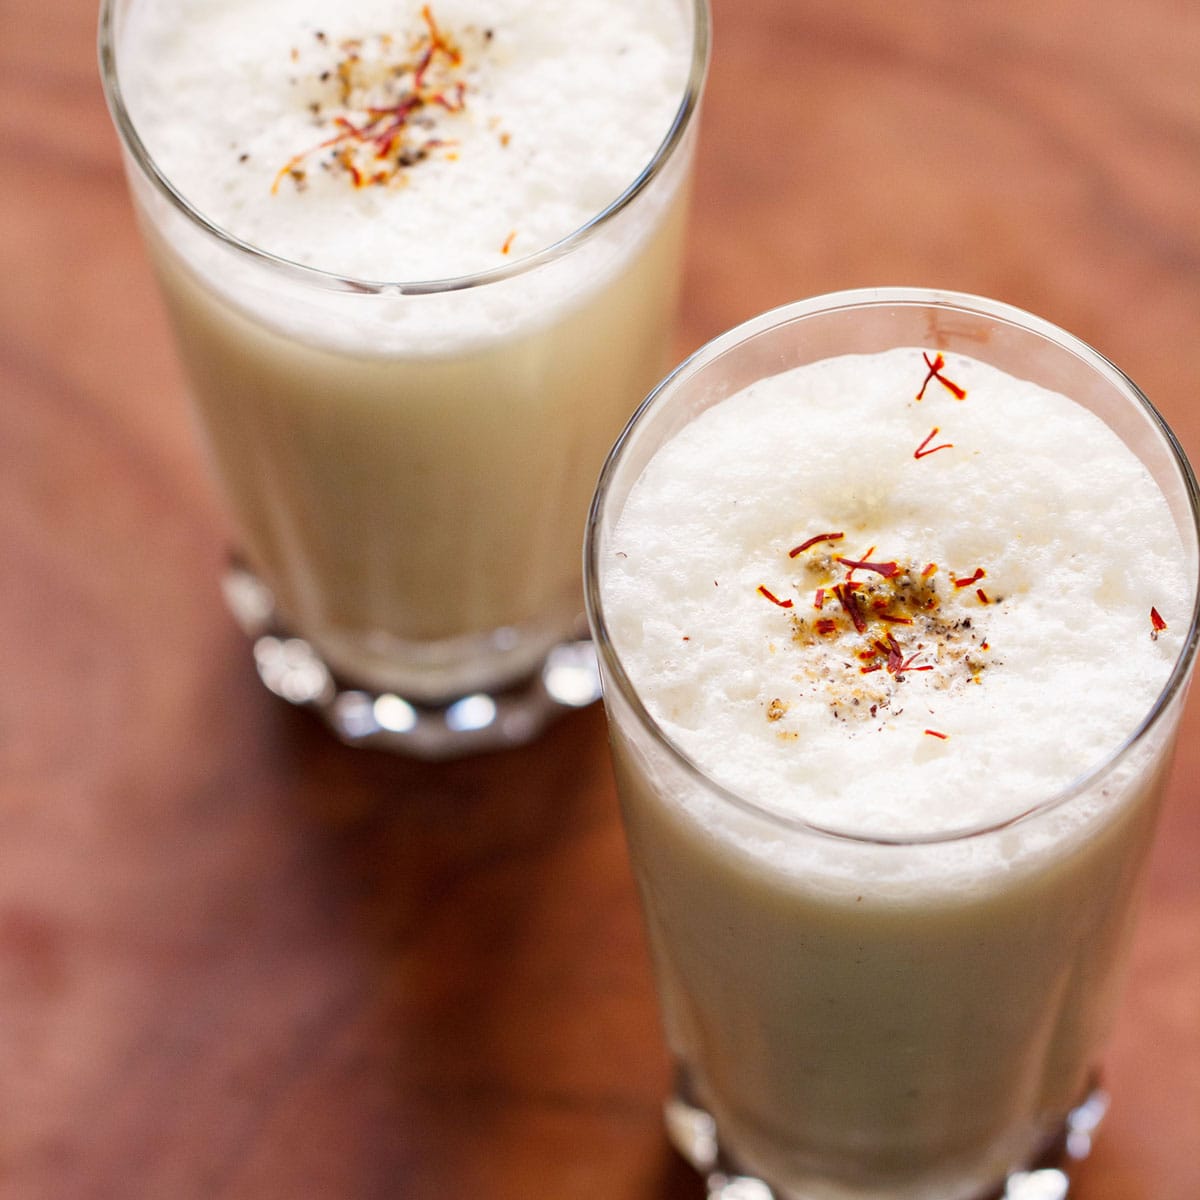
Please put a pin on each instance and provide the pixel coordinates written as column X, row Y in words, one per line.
column 849, row 602
column 921, row 452
column 773, row 598
column 508, row 242
column 385, row 103
column 894, row 657
column 893, row 622
column 812, row 541
column 938, row 734
column 983, row 596
column 850, row 563
column 886, row 569
column 1157, row 624
column 979, row 574
column 935, row 366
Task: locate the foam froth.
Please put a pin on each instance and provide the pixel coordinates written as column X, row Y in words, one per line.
column 519, row 137
column 896, row 615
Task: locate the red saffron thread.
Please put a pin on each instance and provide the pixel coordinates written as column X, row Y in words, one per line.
column 979, row 574
column 930, row 569
column 894, row 657
column 1157, row 624
column 819, row 599
column 921, row 452
column 849, row 602
column 826, row 625
column 850, row 580
column 812, row 541
column 935, row 366
column 887, row 569
column 773, row 598
column 983, row 596
column 508, row 242
column 938, row 734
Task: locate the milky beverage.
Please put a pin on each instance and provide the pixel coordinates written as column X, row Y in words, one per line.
column 410, row 466
column 896, row 619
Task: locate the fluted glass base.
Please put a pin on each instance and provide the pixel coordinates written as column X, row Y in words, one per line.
column 693, row 1132
column 469, row 721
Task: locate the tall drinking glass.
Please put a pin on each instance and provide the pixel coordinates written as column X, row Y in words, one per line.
column 857, row 1008
column 409, row 461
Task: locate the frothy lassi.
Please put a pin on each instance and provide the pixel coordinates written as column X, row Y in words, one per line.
column 422, row 262
column 869, row 621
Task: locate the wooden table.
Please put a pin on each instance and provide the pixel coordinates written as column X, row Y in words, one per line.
column 240, row 960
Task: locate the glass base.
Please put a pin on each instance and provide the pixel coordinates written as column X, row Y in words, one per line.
column 478, row 721
column 693, row 1132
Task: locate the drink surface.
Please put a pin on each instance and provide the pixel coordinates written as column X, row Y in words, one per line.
column 400, row 142
column 890, row 615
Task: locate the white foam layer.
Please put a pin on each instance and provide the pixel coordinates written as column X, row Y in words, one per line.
column 565, row 103
column 1035, row 681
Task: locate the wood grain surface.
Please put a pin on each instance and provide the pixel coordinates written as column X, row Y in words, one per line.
column 238, row 960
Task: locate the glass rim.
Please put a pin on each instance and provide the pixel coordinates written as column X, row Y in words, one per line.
column 1176, row 683
column 131, row 140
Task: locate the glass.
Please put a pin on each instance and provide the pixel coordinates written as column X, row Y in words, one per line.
column 408, row 513
column 857, row 1043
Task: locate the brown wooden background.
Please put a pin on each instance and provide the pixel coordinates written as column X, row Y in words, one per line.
column 238, row 960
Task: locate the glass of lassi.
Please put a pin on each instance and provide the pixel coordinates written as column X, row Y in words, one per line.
column 895, row 598
column 421, row 262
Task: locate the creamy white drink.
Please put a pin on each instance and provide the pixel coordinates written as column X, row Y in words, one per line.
column 856, row 614
column 410, row 461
